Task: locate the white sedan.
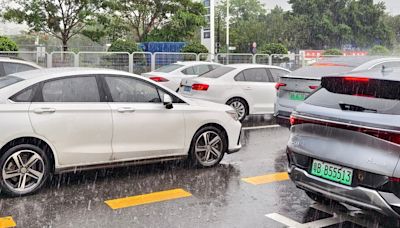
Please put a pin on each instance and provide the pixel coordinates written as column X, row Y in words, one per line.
column 172, row 75
column 248, row 88
column 64, row 119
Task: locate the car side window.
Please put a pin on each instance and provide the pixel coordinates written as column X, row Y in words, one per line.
column 25, row 95
column 188, row 71
column 11, row 68
column 124, row 89
column 277, row 73
column 240, row 77
column 71, row 89
column 256, row 75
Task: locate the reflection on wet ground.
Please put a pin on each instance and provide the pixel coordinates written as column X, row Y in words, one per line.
column 219, row 197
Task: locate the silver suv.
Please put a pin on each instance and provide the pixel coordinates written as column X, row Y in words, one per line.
column 292, row 89
column 344, row 141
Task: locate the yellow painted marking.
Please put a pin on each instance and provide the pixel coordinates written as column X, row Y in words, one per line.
column 147, row 198
column 265, row 179
column 6, row 222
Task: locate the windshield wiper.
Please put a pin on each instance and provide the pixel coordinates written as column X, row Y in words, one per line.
column 355, row 108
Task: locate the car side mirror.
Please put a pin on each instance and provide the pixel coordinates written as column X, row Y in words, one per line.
column 167, row 100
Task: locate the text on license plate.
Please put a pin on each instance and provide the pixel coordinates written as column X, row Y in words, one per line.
column 332, row 172
column 187, row 88
column 297, row 96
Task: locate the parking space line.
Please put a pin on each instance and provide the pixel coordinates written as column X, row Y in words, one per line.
column 6, row 222
column 147, row 198
column 261, row 127
column 265, row 179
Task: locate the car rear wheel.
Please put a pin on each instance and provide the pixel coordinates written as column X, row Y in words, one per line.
column 208, row 147
column 24, row 170
column 240, row 107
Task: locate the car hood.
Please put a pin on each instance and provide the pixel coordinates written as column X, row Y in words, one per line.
column 208, row 104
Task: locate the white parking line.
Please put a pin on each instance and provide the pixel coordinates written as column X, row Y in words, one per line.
column 261, row 127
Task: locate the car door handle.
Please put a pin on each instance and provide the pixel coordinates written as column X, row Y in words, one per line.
column 126, row 109
column 44, row 110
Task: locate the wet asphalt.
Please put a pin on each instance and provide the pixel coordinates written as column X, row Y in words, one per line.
column 219, row 197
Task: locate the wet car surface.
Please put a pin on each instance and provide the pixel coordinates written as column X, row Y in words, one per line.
column 222, row 196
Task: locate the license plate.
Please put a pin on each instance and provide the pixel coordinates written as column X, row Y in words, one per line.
column 187, row 88
column 332, row 172
column 297, row 96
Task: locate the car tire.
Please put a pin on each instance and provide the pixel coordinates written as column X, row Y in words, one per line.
column 318, row 198
column 240, row 106
column 23, row 170
column 208, row 154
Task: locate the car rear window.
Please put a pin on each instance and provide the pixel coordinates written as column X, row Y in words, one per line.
column 217, row 72
column 9, row 80
column 168, row 68
column 355, row 94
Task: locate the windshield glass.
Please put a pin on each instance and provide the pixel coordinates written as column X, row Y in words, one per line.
column 8, row 80
column 217, row 72
column 169, row 68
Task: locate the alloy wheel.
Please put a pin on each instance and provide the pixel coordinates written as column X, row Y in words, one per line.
column 23, row 171
column 239, row 108
column 208, row 148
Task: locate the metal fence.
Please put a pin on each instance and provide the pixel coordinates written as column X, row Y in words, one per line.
column 140, row 62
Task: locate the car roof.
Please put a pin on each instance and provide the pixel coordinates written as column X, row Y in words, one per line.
column 42, row 74
column 18, row 60
column 250, row 65
column 190, row 63
column 339, row 65
column 388, row 74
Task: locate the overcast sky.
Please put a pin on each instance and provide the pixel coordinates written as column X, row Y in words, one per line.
column 392, row 6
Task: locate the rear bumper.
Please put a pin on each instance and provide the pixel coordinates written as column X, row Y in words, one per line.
column 283, row 118
column 360, row 197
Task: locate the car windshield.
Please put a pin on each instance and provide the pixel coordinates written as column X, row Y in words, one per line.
column 216, row 73
column 168, row 68
column 9, row 80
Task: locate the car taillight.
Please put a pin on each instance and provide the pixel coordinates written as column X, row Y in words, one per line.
column 393, row 137
column 159, row 79
column 313, row 87
column 356, row 79
column 202, row 87
column 279, row 85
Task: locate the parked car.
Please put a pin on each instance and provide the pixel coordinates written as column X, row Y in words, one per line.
column 9, row 65
column 172, row 75
column 248, row 88
column 66, row 119
column 345, row 141
column 292, row 89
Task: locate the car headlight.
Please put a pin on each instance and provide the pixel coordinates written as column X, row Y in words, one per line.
column 233, row 114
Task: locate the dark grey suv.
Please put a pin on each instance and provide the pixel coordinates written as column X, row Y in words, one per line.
column 344, row 143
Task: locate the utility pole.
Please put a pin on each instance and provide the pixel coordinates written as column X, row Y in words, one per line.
column 218, row 32
column 227, row 31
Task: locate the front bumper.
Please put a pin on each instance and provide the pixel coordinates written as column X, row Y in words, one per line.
column 360, row 197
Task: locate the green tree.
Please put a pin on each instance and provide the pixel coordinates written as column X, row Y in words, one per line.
column 274, row 48
column 62, row 19
column 6, row 44
column 143, row 16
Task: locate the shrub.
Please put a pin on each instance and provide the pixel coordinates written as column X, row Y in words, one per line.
column 6, row 44
column 124, row 46
column 379, row 50
column 332, row 51
column 195, row 47
column 274, row 48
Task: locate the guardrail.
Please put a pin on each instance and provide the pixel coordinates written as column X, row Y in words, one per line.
column 140, row 62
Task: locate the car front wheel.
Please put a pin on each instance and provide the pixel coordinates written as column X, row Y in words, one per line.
column 208, row 147
column 24, row 170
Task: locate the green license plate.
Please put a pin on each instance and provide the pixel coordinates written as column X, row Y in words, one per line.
column 332, row 172
column 297, row 96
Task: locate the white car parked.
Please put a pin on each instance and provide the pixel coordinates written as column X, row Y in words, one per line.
column 64, row 119
column 172, row 75
column 248, row 88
